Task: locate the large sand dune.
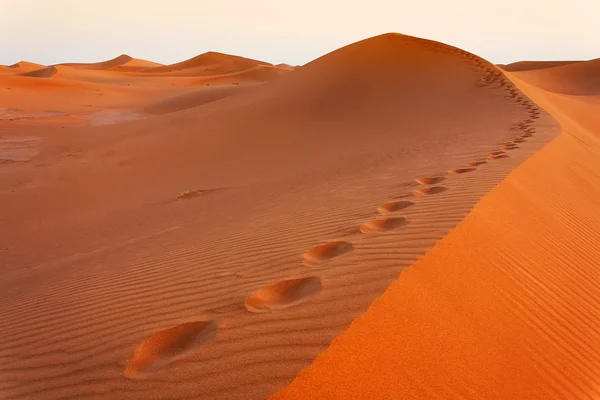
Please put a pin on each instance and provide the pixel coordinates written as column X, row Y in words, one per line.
column 215, row 250
column 505, row 306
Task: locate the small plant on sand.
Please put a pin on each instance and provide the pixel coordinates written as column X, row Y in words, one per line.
column 187, row 194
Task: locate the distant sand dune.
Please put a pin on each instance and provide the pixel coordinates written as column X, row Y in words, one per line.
column 211, row 63
column 46, row 72
column 121, row 60
column 579, row 78
column 534, row 65
column 24, row 66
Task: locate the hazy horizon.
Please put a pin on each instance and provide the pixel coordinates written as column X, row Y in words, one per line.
column 285, row 32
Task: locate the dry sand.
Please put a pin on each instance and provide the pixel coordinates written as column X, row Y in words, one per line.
column 213, row 240
column 505, row 306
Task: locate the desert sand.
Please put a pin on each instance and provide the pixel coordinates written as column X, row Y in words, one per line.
column 508, row 314
column 401, row 212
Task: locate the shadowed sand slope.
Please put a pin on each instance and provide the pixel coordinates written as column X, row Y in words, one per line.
column 274, row 216
column 581, row 78
column 534, row 65
column 194, row 98
column 325, row 108
column 506, row 305
column 45, row 72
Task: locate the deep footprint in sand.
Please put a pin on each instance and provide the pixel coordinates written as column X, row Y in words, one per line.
column 382, row 225
column 495, row 153
column 169, row 345
column 325, row 252
column 497, row 156
column 476, row 163
column 429, row 191
column 460, row 170
column 392, row 206
column 284, row 294
column 429, row 180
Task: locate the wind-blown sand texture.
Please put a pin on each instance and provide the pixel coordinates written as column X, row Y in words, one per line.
column 311, row 191
column 504, row 306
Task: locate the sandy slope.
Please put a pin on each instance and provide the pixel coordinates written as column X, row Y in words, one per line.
column 206, row 64
column 534, row 65
column 582, row 78
column 20, row 67
column 122, row 62
column 215, row 251
column 506, row 305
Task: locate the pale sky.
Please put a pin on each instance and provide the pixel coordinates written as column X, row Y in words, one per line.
column 294, row 32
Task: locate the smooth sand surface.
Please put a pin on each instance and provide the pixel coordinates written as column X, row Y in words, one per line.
column 505, row 306
column 533, row 65
column 579, row 79
column 275, row 214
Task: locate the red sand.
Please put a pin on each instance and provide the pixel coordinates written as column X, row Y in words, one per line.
column 206, row 229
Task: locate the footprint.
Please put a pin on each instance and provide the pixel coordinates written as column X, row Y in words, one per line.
column 460, row 170
column 393, row 206
column 476, row 163
column 169, row 345
column 429, row 180
column 495, row 153
column 495, row 157
column 324, row 252
column 284, row 294
column 526, row 135
column 382, row 225
column 517, row 140
column 429, row 190
column 510, row 147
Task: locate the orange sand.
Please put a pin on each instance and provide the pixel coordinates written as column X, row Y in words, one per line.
column 206, row 229
column 504, row 307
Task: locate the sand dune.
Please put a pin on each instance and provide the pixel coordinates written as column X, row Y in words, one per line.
column 121, row 60
column 284, row 65
column 504, row 307
column 24, row 66
column 534, row 65
column 305, row 209
column 45, row 72
column 194, row 98
column 581, row 78
column 256, row 74
column 211, row 63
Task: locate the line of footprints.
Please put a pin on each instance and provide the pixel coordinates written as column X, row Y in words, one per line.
column 183, row 340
